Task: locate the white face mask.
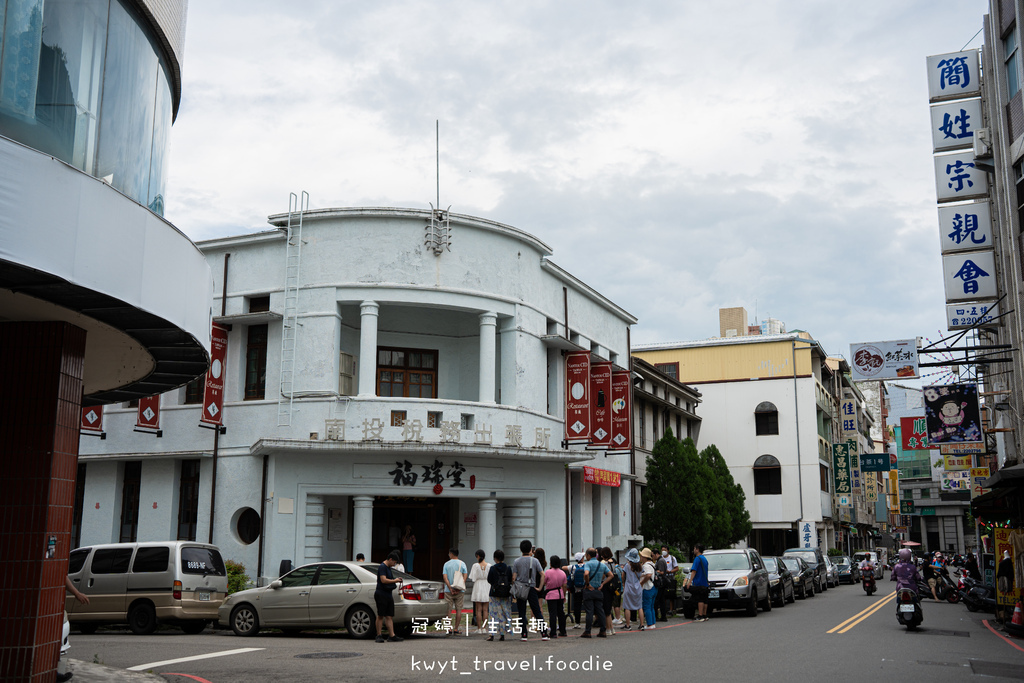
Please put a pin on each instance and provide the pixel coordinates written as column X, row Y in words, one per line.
column 664, row 553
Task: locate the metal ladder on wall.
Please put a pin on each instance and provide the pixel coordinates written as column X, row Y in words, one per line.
column 297, row 207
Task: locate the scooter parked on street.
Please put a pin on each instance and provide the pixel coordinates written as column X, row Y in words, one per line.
column 977, row 596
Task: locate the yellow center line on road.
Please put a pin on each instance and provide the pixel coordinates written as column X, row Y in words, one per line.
column 861, row 616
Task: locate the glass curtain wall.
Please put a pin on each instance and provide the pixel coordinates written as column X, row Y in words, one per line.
column 84, row 81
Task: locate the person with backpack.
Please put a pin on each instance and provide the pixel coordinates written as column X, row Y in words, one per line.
column 526, row 571
column 578, row 580
column 499, row 606
column 554, row 593
column 661, row 582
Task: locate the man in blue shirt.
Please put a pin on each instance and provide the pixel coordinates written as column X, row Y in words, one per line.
column 455, row 575
column 697, row 582
column 596, row 573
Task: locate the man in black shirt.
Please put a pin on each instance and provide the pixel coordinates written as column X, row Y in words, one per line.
column 384, row 597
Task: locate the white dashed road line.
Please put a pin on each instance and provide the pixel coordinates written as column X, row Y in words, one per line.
column 223, row 653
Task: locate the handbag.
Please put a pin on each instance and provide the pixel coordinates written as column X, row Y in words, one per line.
column 459, row 583
column 520, row 590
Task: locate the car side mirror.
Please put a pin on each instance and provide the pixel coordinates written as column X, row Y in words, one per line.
column 276, row 584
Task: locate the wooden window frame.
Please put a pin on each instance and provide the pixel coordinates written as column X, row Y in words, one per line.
column 660, row 367
column 767, row 481
column 406, row 369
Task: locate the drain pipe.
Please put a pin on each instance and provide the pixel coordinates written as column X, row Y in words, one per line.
column 799, row 465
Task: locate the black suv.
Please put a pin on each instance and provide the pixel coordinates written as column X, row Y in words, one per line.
column 814, row 558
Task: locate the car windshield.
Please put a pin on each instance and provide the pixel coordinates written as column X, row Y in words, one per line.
column 807, row 557
column 841, row 560
column 727, row 561
column 792, row 564
column 770, row 564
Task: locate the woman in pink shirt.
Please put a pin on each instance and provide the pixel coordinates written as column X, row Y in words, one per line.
column 554, row 593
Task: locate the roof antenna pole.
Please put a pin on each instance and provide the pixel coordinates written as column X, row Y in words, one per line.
column 437, row 159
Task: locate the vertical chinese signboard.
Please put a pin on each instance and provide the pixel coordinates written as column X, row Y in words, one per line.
column 914, row 433
column 622, row 412
column 841, row 470
column 601, row 405
column 213, row 393
column 577, row 397
column 1004, row 543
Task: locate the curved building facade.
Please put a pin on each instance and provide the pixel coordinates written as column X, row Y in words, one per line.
column 384, row 369
column 88, row 92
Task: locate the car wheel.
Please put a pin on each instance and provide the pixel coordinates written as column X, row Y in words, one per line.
column 360, row 622
column 142, row 619
column 766, row 604
column 245, row 621
column 193, row 627
column 810, row 591
column 823, row 585
column 87, row 629
column 752, row 605
column 792, row 593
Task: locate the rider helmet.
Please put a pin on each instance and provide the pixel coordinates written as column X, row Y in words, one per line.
column 905, row 555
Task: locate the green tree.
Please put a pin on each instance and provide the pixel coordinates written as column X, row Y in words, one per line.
column 675, row 507
column 731, row 518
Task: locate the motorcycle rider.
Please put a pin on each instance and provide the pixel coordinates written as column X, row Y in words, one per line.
column 866, row 565
column 931, row 578
column 905, row 573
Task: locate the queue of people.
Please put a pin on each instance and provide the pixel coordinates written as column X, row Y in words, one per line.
column 592, row 590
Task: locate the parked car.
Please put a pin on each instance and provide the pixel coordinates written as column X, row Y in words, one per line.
column 816, row 559
column 803, row 575
column 330, row 595
column 879, row 566
column 145, row 584
column 780, row 580
column 738, row 580
column 849, row 572
column 831, row 572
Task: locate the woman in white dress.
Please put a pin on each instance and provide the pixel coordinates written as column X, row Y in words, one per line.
column 481, row 591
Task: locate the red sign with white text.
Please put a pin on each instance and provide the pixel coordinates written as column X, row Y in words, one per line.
column 92, row 419
column 577, row 397
column 213, row 395
column 592, row 475
column 149, row 413
column 914, row 433
column 622, row 412
column 601, row 405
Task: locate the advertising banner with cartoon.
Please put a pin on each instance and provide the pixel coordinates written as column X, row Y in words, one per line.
column 952, row 413
column 884, row 360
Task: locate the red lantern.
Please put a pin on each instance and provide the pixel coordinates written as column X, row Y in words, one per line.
column 437, row 489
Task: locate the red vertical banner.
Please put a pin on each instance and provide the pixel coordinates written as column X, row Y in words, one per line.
column 213, row 394
column 622, row 412
column 92, row 420
column 577, row 397
column 601, row 405
column 149, row 413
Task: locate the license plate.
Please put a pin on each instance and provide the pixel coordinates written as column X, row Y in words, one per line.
column 204, row 597
column 907, row 609
column 429, row 595
column 713, row 593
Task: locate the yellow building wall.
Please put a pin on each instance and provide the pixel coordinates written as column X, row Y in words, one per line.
column 734, row 361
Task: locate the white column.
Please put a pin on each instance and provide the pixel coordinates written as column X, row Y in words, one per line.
column 488, row 332
column 362, row 526
column 489, row 526
column 368, row 312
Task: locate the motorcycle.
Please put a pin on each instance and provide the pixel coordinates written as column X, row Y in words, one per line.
column 868, row 582
column 908, row 609
column 977, row 596
column 952, row 595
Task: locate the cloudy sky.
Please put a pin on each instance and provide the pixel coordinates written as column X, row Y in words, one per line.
column 678, row 156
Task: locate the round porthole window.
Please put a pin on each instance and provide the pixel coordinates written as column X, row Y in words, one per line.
column 246, row 525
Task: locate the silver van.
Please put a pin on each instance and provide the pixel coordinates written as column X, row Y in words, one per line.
column 145, row 584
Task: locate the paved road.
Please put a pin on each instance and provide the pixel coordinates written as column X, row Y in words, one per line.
column 842, row 632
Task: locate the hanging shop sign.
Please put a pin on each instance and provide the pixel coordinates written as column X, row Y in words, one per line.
column 577, row 397
column 957, row 178
column 592, row 475
column 978, row 475
column 148, row 418
column 956, row 481
column 953, row 414
column 213, row 393
column 961, row 449
column 954, row 123
column 957, row 463
column 1006, row 592
column 841, row 469
column 969, row 276
column 622, row 412
column 855, row 471
column 871, row 483
column 960, row 316
column 954, row 75
column 884, row 360
column 848, row 415
column 964, row 227
column 601, row 405
column 874, row 462
column 92, row 420
column 914, row 433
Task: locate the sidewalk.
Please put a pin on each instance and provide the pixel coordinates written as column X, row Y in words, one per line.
column 87, row 672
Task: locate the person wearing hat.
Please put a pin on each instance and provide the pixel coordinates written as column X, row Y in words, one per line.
column 632, row 593
column 650, row 593
column 576, row 590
